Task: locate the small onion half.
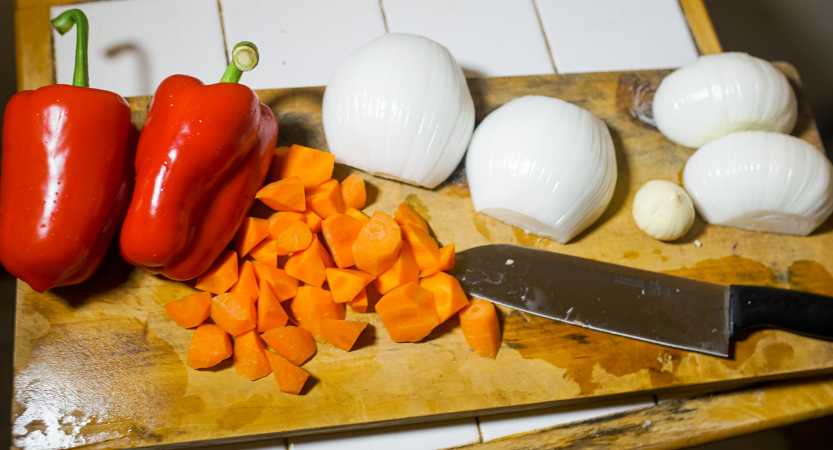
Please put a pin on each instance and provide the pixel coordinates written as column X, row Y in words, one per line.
column 721, row 94
column 399, row 107
column 543, row 165
column 761, row 181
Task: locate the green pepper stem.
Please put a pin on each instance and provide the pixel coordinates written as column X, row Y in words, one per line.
column 64, row 23
column 244, row 57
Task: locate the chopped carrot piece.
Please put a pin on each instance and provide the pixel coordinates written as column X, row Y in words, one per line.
column 251, row 232
column 209, row 345
column 402, row 272
column 340, row 232
column 312, row 305
column 283, row 195
column 308, row 265
column 326, row 199
column 360, row 302
column 221, row 276
column 312, row 220
column 325, row 255
column 293, row 238
column 250, row 356
column 342, row 333
column 312, row 166
column 408, row 312
column 190, row 311
column 266, row 252
column 353, row 191
column 281, row 220
column 405, row 215
column 448, row 294
column 277, row 164
column 293, row 343
column 356, row 214
column 446, row 261
column 290, row 378
column 246, row 281
column 234, row 312
column 481, row 328
column 281, row 284
column 426, row 250
column 270, row 312
column 378, row 244
column 346, row 284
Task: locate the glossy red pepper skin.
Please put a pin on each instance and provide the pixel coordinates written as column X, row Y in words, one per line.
column 204, row 152
column 67, row 177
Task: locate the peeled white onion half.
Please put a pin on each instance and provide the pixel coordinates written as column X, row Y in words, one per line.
column 720, row 94
column 761, row 181
column 399, row 107
column 543, row 165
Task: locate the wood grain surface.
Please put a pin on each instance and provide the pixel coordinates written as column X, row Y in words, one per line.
column 101, row 365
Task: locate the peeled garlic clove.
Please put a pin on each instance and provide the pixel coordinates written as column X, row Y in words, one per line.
column 399, row 107
column 721, row 94
column 663, row 210
column 761, row 181
column 543, row 165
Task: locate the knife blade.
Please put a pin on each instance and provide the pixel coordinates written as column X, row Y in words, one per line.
column 664, row 309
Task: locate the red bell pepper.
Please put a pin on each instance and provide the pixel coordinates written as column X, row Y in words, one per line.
column 67, row 174
column 204, row 152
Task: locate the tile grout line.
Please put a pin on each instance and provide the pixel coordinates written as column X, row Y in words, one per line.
column 544, row 32
column 384, row 16
column 479, row 431
column 223, row 31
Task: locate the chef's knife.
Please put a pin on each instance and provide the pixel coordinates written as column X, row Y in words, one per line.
column 664, row 309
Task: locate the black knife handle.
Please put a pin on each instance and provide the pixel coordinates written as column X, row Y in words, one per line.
column 796, row 311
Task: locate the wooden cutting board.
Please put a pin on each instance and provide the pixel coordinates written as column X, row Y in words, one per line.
column 101, row 365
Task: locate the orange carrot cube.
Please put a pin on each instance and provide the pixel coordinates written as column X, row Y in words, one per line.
column 312, row 166
column 251, row 232
column 342, row 333
column 280, row 283
column 340, row 232
column 266, row 252
column 326, row 199
column 378, row 244
column 209, row 345
column 346, row 284
column 405, row 215
column 250, row 359
column 448, row 294
column 190, row 311
column 426, row 250
column 246, row 281
column 408, row 312
column 290, row 378
column 446, row 261
column 353, row 191
column 221, row 276
column 312, row 305
column 234, row 312
column 270, row 312
column 481, row 327
column 293, row 343
column 402, row 272
column 283, row 195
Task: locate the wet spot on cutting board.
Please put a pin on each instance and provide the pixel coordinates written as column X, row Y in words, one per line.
column 480, row 225
column 630, row 254
column 243, row 412
column 810, row 276
column 418, row 205
column 777, row 354
column 579, row 350
column 657, row 251
column 729, row 270
column 524, row 238
column 94, row 381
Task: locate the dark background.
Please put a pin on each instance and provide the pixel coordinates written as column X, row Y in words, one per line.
column 796, row 31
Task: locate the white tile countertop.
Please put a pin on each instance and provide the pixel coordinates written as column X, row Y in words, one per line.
column 135, row 44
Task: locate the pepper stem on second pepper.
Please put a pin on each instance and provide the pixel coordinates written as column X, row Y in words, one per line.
column 244, row 57
column 64, row 23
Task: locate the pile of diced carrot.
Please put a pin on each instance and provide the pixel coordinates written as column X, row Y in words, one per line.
column 317, row 253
